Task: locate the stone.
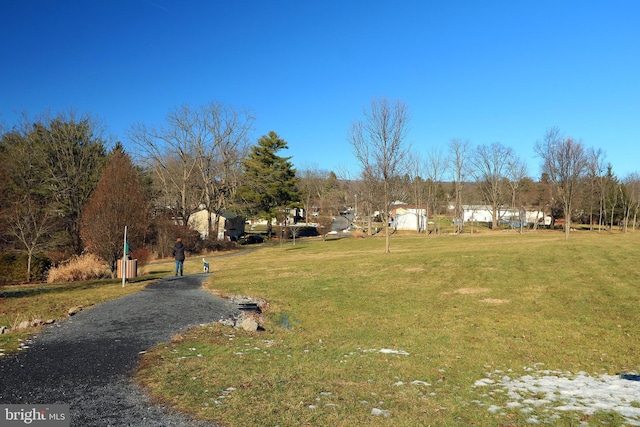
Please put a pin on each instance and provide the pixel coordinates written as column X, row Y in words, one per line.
column 228, row 322
column 25, row 324
column 248, row 324
column 3, row 330
column 75, row 310
column 36, row 322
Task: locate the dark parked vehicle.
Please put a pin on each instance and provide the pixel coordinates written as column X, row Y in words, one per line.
column 251, row 239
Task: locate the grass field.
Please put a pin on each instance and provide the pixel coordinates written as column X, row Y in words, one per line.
column 44, row 302
column 424, row 335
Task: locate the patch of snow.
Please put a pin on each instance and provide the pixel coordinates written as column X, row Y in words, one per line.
column 389, row 351
column 563, row 391
column 380, row 412
column 483, row 382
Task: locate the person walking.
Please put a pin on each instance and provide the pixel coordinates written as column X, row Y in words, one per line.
column 178, row 255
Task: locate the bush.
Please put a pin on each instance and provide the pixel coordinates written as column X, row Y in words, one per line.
column 307, row 231
column 83, row 267
column 13, row 267
column 358, row 234
column 143, row 255
column 191, row 239
column 212, row 245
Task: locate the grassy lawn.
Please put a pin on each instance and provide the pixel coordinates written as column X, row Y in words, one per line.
column 446, row 312
column 46, row 301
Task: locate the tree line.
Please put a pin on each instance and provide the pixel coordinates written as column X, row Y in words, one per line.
column 66, row 188
column 576, row 183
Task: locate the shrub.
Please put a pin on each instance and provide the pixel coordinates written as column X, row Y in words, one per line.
column 358, row 234
column 13, row 267
column 83, row 267
column 212, row 245
column 306, row 231
column 143, row 255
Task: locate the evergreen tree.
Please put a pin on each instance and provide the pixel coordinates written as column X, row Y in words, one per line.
column 269, row 179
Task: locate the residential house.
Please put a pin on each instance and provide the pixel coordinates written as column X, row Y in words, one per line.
column 230, row 225
column 408, row 217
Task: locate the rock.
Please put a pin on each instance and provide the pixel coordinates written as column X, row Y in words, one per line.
column 248, row 324
column 25, row 324
column 228, row 322
column 50, row 322
column 36, row 322
column 243, row 299
column 75, row 310
column 3, row 330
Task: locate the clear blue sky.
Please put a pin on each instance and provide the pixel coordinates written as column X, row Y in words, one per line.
column 490, row 71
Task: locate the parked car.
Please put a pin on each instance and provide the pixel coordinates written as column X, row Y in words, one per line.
column 251, row 239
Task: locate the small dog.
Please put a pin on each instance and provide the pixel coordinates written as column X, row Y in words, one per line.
column 205, row 265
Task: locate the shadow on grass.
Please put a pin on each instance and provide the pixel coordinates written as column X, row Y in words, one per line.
column 30, row 290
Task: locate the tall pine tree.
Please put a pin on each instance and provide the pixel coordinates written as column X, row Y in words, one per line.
column 269, row 179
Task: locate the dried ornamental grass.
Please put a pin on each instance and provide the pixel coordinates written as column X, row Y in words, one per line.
column 83, row 267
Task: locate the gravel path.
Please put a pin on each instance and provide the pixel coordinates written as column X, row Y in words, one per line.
column 87, row 361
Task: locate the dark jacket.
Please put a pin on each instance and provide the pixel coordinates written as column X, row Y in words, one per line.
column 178, row 251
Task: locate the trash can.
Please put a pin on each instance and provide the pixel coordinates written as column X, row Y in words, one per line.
column 132, row 268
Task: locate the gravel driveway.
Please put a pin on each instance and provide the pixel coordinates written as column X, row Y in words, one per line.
column 87, row 361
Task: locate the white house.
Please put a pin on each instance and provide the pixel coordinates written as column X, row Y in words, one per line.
column 407, row 217
column 482, row 213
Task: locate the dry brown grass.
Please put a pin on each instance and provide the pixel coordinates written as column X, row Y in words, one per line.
column 461, row 308
column 358, row 234
column 495, row 301
column 468, row 291
column 79, row 268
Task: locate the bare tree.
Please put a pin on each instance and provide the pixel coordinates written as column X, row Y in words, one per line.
column 221, row 146
column 457, row 163
column 516, row 174
column 490, row 167
column 31, row 222
column 632, row 183
column 368, row 190
column 565, row 161
column 171, row 153
column 435, row 167
column 310, row 184
column 379, row 144
column 415, row 167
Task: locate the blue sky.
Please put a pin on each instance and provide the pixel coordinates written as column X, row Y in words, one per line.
column 500, row 71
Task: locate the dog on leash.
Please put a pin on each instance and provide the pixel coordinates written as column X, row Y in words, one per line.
column 205, row 265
